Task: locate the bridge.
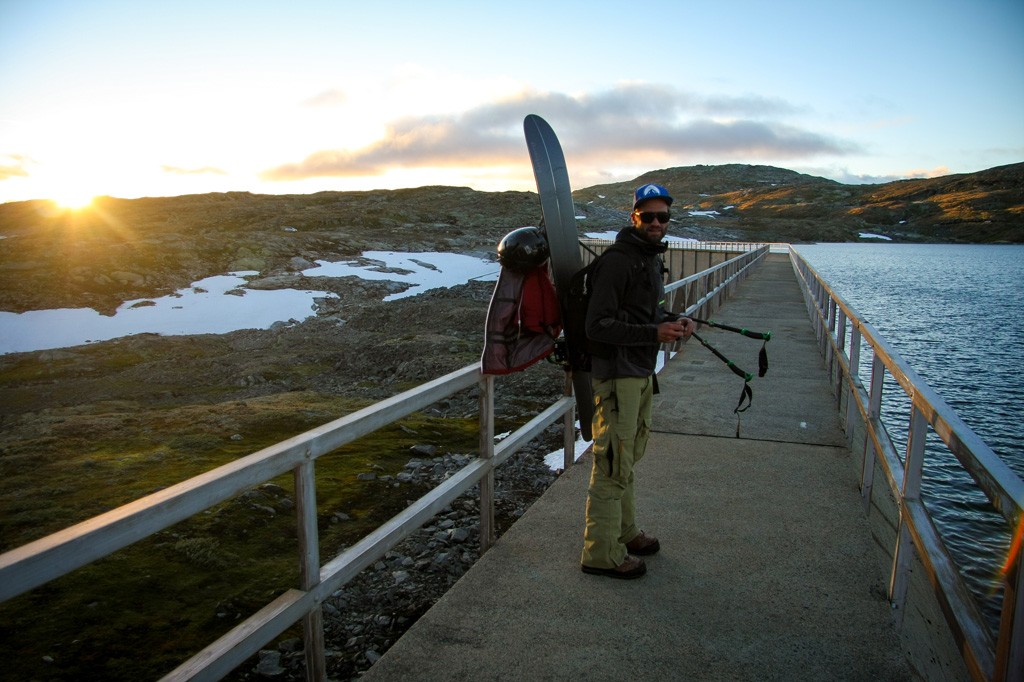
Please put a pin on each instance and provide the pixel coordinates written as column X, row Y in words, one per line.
column 768, row 567
column 795, row 544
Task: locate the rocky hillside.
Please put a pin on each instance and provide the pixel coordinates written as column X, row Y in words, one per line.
column 122, row 249
column 757, row 203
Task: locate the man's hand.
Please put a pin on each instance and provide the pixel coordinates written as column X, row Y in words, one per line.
column 689, row 327
column 673, row 331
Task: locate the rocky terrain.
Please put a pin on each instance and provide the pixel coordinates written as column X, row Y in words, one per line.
column 126, row 249
column 363, row 619
column 181, row 399
column 763, row 203
column 166, row 400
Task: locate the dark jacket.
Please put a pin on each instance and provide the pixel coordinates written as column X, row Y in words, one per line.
column 626, row 306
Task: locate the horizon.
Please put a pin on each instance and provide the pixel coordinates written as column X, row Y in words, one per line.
column 396, row 189
column 113, row 98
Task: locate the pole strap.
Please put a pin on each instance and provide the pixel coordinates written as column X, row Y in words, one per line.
column 761, row 336
column 746, row 393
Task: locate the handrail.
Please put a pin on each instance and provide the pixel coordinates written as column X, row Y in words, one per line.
column 55, row 555
column 700, row 290
column 50, row 557
column 835, row 323
column 694, row 245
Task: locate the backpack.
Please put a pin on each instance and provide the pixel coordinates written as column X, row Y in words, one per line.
column 579, row 349
column 538, row 307
column 522, row 321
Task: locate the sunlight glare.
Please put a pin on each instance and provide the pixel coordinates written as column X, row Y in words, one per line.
column 74, row 185
column 73, row 200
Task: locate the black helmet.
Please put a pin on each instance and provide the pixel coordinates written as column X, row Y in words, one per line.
column 523, row 250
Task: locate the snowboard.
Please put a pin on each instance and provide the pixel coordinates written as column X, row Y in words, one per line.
column 559, row 227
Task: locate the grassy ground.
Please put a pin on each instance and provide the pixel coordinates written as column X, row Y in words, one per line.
column 177, row 591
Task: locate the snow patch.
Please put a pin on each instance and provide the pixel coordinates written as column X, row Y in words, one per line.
column 422, row 271
column 214, row 305
column 611, row 234
column 556, row 460
column 222, row 304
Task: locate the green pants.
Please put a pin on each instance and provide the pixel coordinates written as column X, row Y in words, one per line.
column 622, row 424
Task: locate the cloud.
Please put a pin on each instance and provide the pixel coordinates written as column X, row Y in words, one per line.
column 937, row 172
column 638, row 120
column 205, row 170
column 13, row 166
column 845, row 176
column 328, row 98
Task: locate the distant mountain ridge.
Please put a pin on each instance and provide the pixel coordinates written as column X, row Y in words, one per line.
column 121, row 249
column 769, row 203
column 755, row 203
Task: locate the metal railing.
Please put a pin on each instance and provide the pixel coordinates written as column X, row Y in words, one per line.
column 50, row 557
column 682, row 259
column 701, row 293
column 709, row 283
column 56, row 555
column 678, row 245
column 842, row 335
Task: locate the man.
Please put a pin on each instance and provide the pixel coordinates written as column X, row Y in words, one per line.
column 626, row 323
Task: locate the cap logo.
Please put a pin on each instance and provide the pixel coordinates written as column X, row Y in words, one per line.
column 651, row 189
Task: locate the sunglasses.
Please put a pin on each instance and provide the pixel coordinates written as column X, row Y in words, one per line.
column 649, row 216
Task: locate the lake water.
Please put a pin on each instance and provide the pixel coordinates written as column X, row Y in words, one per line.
column 221, row 304
column 955, row 314
column 215, row 305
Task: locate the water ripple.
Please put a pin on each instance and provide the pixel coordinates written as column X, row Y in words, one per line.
column 956, row 315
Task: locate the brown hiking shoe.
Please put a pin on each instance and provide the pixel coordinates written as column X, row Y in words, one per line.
column 643, row 545
column 631, row 567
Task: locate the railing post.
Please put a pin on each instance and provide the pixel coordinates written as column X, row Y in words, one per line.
column 854, row 381
column 840, row 350
column 911, row 494
column 487, row 452
column 874, row 415
column 830, row 357
column 855, row 354
column 1010, row 644
column 823, row 330
column 841, row 332
column 816, row 305
column 569, row 429
column 309, row 568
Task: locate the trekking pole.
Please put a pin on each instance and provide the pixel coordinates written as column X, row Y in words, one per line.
column 762, row 358
column 765, row 336
column 746, row 376
column 746, row 393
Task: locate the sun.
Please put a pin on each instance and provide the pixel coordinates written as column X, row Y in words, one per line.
column 73, row 185
column 73, row 200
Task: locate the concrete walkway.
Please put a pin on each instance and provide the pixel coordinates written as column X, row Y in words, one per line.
column 766, row 571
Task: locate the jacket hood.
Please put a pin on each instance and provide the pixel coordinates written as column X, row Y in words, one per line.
column 628, row 235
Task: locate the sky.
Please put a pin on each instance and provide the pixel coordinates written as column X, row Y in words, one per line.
column 128, row 98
